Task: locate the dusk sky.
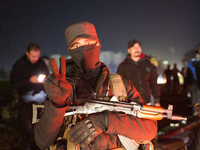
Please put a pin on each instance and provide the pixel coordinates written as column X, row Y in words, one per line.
column 167, row 29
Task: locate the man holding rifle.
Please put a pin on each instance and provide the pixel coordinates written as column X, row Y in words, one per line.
column 81, row 78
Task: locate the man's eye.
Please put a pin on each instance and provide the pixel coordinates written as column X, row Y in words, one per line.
column 75, row 46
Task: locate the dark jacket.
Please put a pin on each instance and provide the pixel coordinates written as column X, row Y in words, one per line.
column 22, row 71
column 143, row 75
column 91, row 86
column 191, row 77
column 196, row 64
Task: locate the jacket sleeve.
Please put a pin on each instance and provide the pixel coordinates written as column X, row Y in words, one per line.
column 19, row 77
column 44, row 68
column 132, row 94
column 128, row 125
column 49, row 125
column 154, row 85
column 196, row 62
column 120, row 70
column 131, row 126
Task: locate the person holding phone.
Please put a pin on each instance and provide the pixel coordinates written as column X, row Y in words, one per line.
column 27, row 77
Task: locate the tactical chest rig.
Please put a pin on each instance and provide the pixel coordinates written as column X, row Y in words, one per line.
column 117, row 87
column 119, row 91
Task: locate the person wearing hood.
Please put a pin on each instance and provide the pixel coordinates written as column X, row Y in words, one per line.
column 141, row 72
column 85, row 77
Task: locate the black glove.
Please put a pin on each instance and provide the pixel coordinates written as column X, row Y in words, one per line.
column 57, row 90
column 86, row 130
column 56, row 86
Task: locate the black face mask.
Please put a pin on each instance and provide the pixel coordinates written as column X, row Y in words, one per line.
column 86, row 57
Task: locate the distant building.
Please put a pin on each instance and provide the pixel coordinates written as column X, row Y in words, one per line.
column 57, row 58
column 111, row 59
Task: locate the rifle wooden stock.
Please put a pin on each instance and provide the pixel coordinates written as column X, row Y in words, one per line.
column 151, row 116
column 155, row 109
column 158, row 113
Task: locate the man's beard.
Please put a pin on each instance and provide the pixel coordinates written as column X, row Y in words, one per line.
column 137, row 54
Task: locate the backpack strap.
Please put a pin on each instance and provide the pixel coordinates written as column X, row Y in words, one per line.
column 117, row 86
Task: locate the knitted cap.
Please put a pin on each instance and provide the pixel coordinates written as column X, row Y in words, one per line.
column 78, row 30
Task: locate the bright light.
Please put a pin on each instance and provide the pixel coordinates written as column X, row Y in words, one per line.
column 180, row 78
column 154, row 61
column 165, row 62
column 41, row 77
column 161, row 80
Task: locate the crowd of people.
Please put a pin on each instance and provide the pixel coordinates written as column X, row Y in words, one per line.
column 85, row 77
column 172, row 83
column 191, row 85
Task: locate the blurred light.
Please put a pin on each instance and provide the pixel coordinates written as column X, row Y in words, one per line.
column 189, row 95
column 165, row 62
column 154, row 61
column 176, row 124
column 180, row 77
column 172, row 124
column 161, row 80
column 183, row 122
column 41, row 77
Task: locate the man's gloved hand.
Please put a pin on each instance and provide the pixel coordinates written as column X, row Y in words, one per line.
column 86, row 130
column 56, row 86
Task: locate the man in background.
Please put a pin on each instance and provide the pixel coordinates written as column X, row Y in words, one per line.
column 141, row 73
column 168, row 74
column 176, row 84
column 27, row 76
column 46, row 60
column 196, row 64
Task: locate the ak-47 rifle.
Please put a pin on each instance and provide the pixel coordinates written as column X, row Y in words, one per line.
column 140, row 111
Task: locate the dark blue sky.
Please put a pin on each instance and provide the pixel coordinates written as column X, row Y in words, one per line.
column 162, row 26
